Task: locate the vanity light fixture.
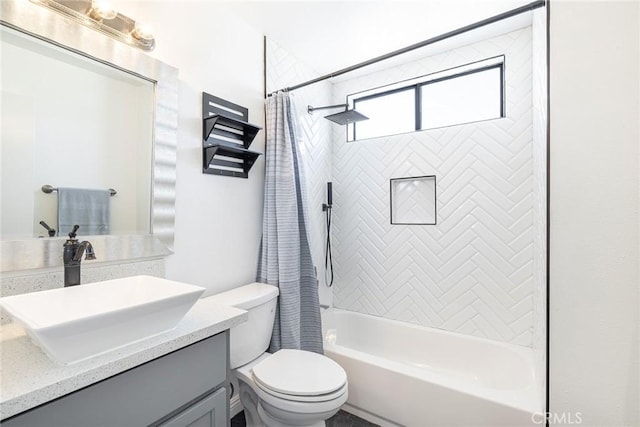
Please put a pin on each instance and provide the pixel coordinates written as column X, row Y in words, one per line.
column 99, row 15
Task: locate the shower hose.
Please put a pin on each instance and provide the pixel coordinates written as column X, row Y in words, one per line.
column 328, row 259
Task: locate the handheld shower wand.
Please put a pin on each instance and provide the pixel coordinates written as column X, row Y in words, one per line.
column 328, row 205
column 328, row 259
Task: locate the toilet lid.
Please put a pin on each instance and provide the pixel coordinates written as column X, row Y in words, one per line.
column 300, row 373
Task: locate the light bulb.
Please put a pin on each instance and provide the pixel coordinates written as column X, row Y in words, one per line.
column 102, row 9
column 142, row 32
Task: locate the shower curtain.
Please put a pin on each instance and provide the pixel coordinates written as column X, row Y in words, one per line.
column 285, row 255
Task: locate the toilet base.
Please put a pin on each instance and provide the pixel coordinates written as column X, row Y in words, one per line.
column 249, row 402
column 260, row 414
column 269, row 421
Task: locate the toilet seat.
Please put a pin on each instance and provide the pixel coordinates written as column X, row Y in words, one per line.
column 300, row 375
column 304, row 399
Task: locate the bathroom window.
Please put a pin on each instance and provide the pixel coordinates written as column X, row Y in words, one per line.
column 389, row 114
column 469, row 93
column 465, row 98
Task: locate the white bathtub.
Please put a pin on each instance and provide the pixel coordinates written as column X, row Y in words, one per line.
column 415, row 376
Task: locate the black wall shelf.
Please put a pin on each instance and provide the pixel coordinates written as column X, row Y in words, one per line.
column 219, row 122
column 226, row 136
column 213, row 165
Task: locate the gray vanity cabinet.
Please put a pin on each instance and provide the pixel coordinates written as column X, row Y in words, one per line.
column 183, row 388
column 211, row 411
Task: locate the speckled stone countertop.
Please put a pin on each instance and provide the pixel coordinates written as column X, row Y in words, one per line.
column 29, row 378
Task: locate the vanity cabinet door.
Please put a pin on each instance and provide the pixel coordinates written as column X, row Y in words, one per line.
column 208, row 412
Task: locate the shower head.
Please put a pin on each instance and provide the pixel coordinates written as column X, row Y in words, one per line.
column 344, row 117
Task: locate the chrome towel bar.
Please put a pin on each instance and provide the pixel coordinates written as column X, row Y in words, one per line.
column 50, row 189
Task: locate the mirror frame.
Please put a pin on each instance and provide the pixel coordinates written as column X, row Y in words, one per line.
column 47, row 25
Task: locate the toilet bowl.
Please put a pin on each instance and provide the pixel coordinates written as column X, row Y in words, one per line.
column 288, row 387
column 291, row 388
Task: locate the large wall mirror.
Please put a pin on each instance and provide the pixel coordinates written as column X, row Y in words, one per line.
column 82, row 110
column 71, row 122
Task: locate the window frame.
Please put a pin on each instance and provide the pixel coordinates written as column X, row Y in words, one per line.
column 419, row 82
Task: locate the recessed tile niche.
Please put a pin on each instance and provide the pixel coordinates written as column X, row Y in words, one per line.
column 413, row 200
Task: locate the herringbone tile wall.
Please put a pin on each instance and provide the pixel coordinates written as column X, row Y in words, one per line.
column 472, row 272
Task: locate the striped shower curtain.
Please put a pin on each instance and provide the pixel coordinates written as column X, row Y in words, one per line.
column 285, row 254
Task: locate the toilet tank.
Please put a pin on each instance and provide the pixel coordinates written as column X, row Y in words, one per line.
column 251, row 339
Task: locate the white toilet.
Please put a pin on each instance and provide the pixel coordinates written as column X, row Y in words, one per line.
column 289, row 387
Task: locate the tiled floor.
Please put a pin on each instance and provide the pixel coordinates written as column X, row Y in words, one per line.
column 341, row 419
column 238, row 420
column 345, row 419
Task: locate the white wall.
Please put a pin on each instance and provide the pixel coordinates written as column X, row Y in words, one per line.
column 218, row 219
column 594, row 331
column 540, row 121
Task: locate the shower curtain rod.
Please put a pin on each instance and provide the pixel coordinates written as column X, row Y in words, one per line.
column 508, row 14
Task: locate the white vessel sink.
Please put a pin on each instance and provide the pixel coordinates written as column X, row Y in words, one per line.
column 75, row 323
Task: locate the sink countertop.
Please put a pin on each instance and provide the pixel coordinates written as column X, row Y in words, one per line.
column 29, row 378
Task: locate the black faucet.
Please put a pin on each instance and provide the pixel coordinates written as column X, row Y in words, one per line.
column 51, row 231
column 72, row 256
